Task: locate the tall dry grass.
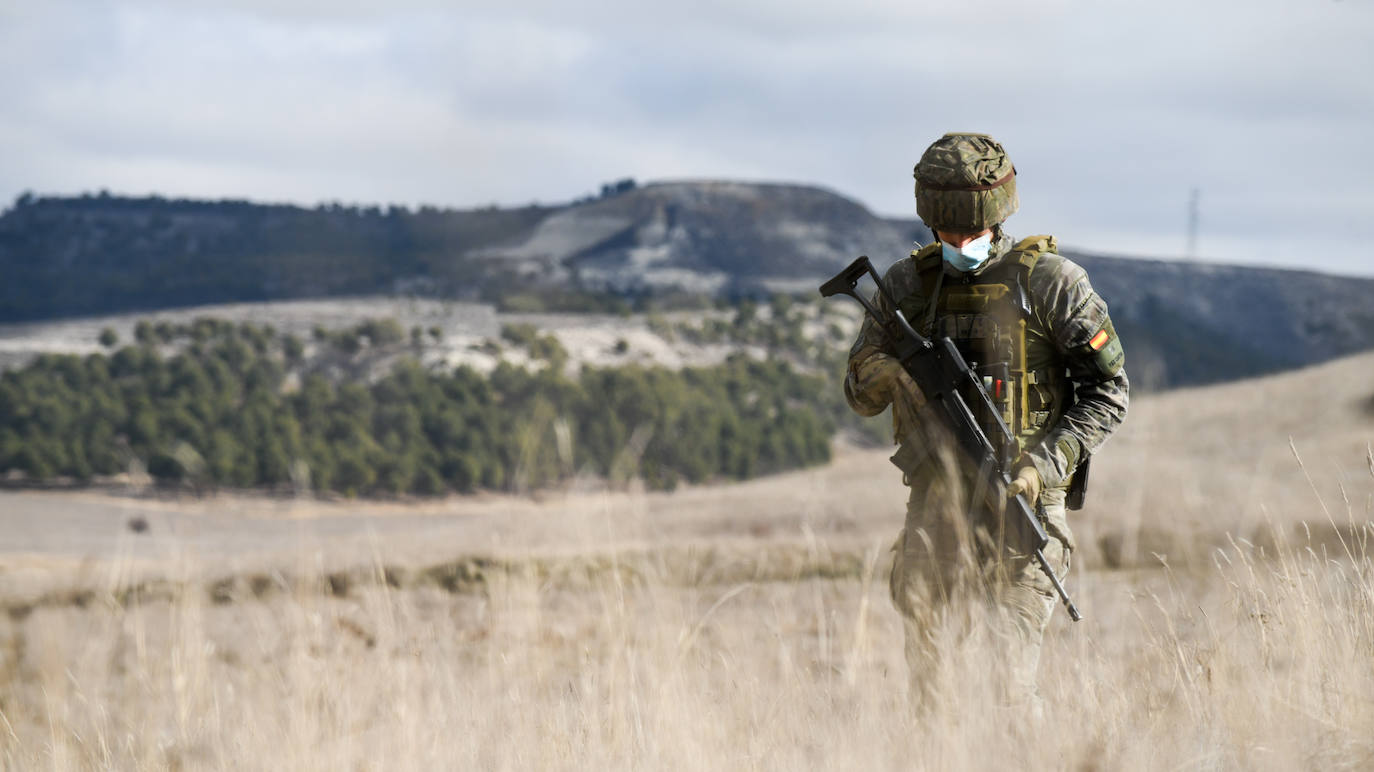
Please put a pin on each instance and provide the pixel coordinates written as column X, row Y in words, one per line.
column 1263, row 660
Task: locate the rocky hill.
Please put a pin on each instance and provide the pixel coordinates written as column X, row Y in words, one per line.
column 100, row 254
column 66, row 257
column 710, row 237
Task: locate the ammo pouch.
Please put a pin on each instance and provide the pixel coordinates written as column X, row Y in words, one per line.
column 909, row 456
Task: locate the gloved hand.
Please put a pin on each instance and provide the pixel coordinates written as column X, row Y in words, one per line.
column 884, row 378
column 1026, row 483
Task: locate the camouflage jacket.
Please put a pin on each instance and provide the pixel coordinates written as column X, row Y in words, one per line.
column 1068, row 319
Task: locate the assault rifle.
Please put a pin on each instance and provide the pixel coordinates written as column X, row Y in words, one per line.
column 943, row 376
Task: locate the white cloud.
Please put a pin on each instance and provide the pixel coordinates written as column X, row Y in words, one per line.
column 1112, row 110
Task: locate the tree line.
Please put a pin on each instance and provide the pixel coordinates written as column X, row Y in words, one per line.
column 218, row 404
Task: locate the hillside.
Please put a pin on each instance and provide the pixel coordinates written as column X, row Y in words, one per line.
column 99, row 254
column 712, row 237
column 1183, row 323
column 96, row 254
column 1189, row 323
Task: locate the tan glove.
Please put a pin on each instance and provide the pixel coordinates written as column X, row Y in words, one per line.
column 883, row 378
column 1027, row 483
column 874, row 375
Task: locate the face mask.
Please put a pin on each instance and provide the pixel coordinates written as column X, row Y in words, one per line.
column 970, row 255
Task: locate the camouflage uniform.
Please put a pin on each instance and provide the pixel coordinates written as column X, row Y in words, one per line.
column 1074, row 397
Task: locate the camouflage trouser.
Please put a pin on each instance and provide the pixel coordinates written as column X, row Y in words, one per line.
column 944, row 563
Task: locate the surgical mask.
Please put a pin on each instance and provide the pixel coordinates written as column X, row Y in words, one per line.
column 970, row 255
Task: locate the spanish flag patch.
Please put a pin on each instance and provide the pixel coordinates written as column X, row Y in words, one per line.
column 1099, row 340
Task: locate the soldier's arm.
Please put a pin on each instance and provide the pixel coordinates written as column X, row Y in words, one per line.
column 872, row 341
column 1076, row 318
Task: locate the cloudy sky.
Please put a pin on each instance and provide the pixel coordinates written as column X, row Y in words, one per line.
column 1112, row 111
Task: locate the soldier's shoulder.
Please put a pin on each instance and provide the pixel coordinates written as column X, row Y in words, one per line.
column 1062, row 295
column 920, row 257
column 1055, row 273
column 904, row 275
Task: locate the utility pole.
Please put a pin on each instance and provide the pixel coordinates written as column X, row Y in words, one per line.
column 1192, row 223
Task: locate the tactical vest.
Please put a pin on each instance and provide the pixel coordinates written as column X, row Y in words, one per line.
column 989, row 318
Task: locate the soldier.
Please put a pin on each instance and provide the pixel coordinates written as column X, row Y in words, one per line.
column 1028, row 322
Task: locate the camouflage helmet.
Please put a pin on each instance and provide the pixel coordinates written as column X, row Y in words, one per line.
column 965, row 183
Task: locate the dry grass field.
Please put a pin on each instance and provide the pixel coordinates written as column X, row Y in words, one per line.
column 1225, row 571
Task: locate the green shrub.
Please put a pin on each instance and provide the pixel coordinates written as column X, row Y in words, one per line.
column 221, row 402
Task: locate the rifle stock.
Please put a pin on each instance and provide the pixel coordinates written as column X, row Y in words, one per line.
column 943, row 376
